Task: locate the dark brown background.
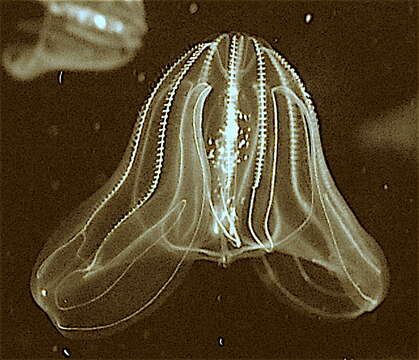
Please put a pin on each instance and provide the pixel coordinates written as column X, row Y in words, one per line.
column 358, row 59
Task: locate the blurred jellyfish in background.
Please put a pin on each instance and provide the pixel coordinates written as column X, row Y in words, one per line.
column 80, row 35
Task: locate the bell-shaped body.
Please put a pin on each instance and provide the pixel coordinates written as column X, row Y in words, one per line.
column 225, row 162
column 79, row 35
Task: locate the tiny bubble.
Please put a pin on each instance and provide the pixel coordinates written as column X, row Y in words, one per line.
column 220, row 341
column 308, row 17
column 193, row 8
column 385, row 187
column 60, row 77
column 66, row 352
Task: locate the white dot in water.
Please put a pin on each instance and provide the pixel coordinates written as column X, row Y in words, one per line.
column 220, row 341
column 66, row 352
column 96, row 126
column 385, row 187
column 44, row 292
column 193, row 8
column 308, row 17
column 60, row 77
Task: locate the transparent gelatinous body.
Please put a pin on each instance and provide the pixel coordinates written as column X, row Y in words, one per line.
column 225, row 162
column 79, row 35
